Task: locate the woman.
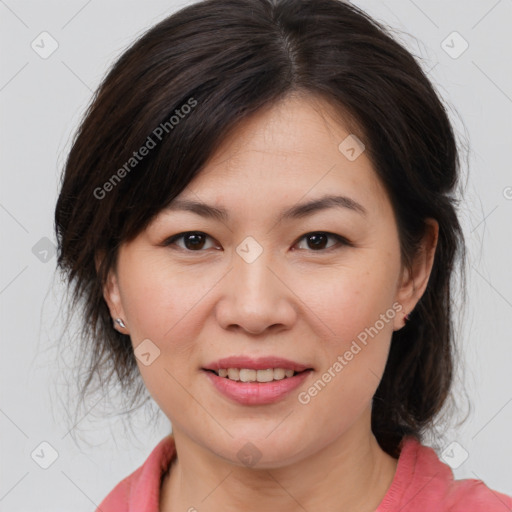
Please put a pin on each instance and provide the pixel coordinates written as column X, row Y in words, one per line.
column 257, row 216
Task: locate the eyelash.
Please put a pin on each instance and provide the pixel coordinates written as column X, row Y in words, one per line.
column 341, row 240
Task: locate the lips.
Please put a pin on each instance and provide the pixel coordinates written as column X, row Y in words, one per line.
column 256, row 393
column 261, row 363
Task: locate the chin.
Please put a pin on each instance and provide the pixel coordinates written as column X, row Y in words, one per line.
column 259, row 448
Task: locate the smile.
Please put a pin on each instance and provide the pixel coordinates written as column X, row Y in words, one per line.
column 250, row 375
column 254, row 392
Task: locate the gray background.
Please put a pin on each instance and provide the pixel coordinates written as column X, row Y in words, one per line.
column 42, row 100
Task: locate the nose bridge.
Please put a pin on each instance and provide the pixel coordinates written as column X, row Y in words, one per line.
column 255, row 298
column 253, row 279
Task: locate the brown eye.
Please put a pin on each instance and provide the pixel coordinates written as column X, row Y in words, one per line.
column 193, row 241
column 317, row 241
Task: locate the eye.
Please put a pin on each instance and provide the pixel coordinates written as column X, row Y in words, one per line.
column 194, row 241
column 318, row 239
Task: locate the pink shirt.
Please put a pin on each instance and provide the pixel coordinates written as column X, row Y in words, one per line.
column 422, row 483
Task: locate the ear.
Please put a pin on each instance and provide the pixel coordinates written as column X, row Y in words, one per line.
column 413, row 282
column 112, row 295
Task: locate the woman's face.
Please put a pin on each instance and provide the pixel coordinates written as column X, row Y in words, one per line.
column 254, row 285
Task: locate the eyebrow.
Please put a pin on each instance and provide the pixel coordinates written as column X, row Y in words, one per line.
column 295, row 212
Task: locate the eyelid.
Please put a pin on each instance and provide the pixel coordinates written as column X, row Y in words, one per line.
column 170, row 240
column 341, row 241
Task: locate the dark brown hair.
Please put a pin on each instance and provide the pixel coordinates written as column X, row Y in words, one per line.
column 178, row 91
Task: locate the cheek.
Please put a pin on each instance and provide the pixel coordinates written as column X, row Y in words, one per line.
column 345, row 301
column 356, row 325
column 161, row 306
column 166, row 305
column 161, row 300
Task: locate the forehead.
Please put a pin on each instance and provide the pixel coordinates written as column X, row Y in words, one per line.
column 297, row 149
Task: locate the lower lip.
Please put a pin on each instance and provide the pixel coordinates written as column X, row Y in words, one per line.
column 257, row 393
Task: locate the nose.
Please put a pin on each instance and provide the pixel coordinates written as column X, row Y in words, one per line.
column 256, row 298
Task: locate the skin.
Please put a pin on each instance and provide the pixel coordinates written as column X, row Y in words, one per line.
column 295, row 301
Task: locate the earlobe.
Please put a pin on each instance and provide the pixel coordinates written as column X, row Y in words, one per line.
column 414, row 280
column 112, row 297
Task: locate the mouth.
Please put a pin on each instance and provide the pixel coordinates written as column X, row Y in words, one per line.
column 250, row 392
column 252, row 375
column 260, row 381
column 261, row 369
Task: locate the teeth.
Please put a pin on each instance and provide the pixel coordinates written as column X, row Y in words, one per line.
column 265, row 375
column 279, row 373
column 234, row 373
column 247, row 375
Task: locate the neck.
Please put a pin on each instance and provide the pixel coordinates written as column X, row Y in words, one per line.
column 352, row 473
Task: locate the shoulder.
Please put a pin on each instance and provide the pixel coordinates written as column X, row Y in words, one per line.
column 140, row 490
column 474, row 495
column 424, row 483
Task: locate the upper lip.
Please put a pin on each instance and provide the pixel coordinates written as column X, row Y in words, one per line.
column 256, row 363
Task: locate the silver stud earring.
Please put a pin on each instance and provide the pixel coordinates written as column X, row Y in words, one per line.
column 120, row 322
